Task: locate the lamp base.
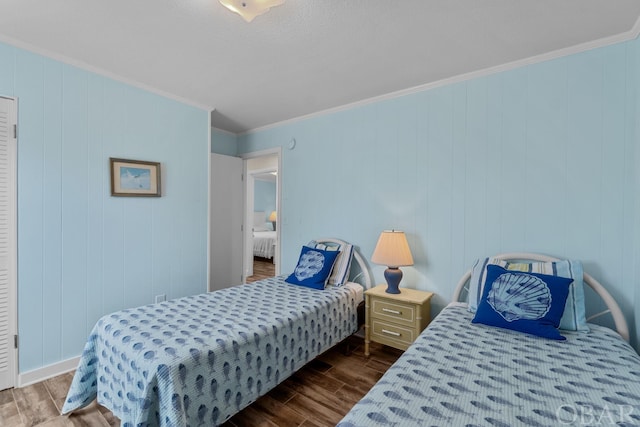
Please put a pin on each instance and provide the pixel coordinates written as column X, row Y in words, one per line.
column 393, row 276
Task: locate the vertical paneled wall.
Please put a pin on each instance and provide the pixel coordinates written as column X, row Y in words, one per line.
column 539, row 158
column 83, row 253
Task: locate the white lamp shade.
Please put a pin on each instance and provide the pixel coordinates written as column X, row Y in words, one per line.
column 249, row 9
column 273, row 216
column 392, row 249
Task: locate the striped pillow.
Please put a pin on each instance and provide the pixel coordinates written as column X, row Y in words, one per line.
column 573, row 318
column 340, row 273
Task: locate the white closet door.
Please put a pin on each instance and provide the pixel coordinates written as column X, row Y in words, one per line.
column 8, row 246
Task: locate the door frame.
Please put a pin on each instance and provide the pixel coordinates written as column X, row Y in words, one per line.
column 13, row 238
column 248, row 193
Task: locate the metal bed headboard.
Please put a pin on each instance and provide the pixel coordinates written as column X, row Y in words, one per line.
column 612, row 306
column 360, row 271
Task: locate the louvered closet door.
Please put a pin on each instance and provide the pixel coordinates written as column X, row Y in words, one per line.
column 8, row 245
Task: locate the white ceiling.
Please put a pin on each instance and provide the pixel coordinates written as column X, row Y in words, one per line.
column 306, row 55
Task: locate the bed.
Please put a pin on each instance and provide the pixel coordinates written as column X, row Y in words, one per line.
column 200, row 359
column 264, row 243
column 459, row 373
column 264, row 237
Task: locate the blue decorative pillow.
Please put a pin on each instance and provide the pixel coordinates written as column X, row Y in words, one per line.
column 574, row 317
column 527, row 302
column 340, row 273
column 313, row 269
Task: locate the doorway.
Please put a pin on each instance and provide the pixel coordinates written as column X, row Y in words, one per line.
column 262, row 208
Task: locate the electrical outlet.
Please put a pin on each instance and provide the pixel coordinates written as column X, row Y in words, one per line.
column 160, row 298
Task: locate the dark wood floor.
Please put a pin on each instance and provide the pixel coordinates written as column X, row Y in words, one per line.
column 262, row 268
column 320, row 394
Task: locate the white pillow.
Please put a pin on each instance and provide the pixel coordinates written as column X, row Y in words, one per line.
column 340, row 273
column 265, row 227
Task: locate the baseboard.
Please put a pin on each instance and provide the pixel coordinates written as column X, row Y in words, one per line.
column 50, row 371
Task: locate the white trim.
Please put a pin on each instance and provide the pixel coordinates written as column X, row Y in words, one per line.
column 209, row 136
column 262, row 171
column 262, row 153
column 555, row 54
column 275, row 151
column 247, row 237
column 84, row 66
column 46, row 372
column 14, row 298
column 223, row 130
column 594, row 44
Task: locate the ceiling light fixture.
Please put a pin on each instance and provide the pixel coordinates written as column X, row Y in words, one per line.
column 249, row 9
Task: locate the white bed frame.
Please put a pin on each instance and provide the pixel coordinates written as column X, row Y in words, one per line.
column 361, row 275
column 612, row 306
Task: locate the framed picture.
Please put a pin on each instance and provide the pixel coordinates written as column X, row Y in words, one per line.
column 135, row 178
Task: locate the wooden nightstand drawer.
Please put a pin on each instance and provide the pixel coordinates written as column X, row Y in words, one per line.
column 392, row 310
column 393, row 335
column 395, row 320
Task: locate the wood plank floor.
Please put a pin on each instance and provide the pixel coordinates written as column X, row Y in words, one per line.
column 262, row 268
column 319, row 394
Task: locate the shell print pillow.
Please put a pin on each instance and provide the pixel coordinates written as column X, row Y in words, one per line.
column 521, row 301
column 313, row 268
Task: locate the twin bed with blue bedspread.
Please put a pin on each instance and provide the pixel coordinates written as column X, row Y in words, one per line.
column 200, row 359
column 459, row 373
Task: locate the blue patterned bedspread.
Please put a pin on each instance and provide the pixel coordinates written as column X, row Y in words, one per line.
column 463, row 374
column 195, row 361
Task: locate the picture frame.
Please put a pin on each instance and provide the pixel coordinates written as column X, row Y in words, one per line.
column 134, row 178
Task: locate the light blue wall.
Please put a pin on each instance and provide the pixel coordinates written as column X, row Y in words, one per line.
column 264, row 197
column 223, row 142
column 541, row 158
column 82, row 253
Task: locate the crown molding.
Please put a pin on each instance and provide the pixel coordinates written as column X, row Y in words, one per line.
column 559, row 53
column 228, row 132
column 90, row 68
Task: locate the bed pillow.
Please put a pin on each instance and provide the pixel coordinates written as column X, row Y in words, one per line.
column 340, row 273
column 313, row 268
column 526, row 302
column 574, row 316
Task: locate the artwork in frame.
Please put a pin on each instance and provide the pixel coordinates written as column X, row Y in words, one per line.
column 135, row 178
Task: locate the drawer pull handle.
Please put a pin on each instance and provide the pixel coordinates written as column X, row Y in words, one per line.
column 395, row 334
column 388, row 310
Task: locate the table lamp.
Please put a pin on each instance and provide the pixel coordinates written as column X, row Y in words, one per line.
column 272, row 217
column 393, row 251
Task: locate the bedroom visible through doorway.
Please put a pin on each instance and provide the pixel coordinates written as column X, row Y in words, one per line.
column 262, row 236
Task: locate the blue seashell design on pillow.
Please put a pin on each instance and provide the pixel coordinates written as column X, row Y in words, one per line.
column 313, row 268
column 520, row 296
column 310, row 264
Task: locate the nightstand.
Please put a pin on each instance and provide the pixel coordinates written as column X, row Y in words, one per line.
column 395, row 320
